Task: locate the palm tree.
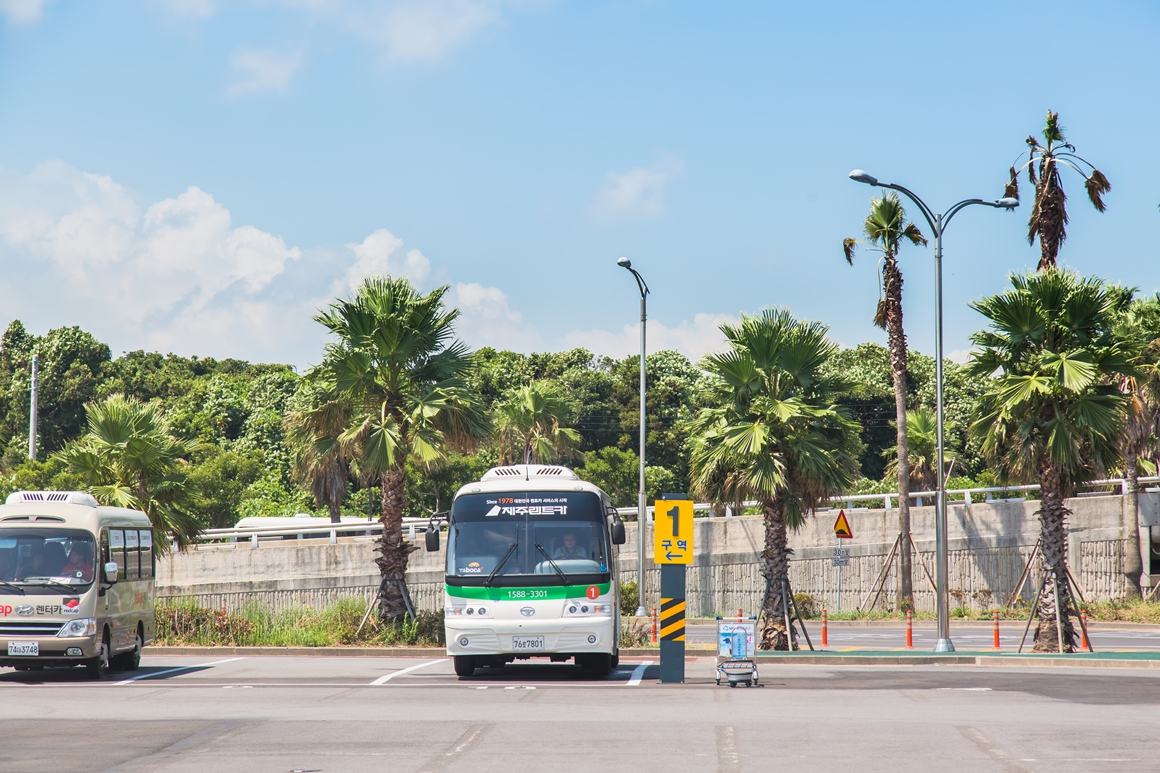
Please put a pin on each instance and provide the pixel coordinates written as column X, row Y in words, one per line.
column 130, row 459
column 886, row 227
column 1049, row 214
column 1052, row 413
column 397, row 363
column 318, row 457
column 528, row 423
column 775, row 435
column 1142, row 427
column 922, row 448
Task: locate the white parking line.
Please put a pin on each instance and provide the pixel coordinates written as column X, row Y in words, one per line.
column 638, row 674
column 388, row 677
column 175, row 670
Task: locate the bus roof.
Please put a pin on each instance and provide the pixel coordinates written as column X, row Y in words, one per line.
column 529, row 477
column 66, row 508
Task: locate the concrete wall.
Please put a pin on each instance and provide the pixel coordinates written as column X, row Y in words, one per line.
column 989, row 543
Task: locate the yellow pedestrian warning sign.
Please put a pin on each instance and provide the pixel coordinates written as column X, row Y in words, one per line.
column 673, row 531
column 842, row 528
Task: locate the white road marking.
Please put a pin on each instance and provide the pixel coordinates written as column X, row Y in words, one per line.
column 388, row 677
column 638, row 674
column 175, row 670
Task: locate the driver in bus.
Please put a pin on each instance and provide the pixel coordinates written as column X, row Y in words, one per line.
column 570, row 548
column 79, row 563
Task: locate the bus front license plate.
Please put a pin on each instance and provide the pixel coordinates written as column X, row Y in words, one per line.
column 31, row 648
column 520, row 643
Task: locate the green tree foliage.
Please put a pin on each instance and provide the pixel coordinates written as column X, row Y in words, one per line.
column 618, row 473
column 70, row 367
column 533, row 424
column 129, row 458
column 670, row 399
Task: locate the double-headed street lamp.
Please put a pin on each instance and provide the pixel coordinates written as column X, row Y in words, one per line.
column 642, row 506
column 938, row 224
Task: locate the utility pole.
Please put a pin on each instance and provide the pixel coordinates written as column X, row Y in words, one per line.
column 34, row 406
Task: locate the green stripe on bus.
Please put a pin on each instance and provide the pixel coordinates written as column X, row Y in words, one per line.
column 524, row 594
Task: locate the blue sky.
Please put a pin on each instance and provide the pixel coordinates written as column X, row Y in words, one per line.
column 197, row 175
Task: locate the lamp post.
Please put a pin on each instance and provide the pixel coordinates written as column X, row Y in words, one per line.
column 938, row 224
column 642, row 505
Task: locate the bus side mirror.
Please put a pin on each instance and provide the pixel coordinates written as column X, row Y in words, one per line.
column 111, row 571
column 431, row 537
column 618, row 532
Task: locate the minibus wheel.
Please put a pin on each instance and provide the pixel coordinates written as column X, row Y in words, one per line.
column 131, row 661
column 599, row 665
column 99, row 666
column 464, row 665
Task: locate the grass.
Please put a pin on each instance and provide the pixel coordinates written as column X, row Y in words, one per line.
column 184, row 622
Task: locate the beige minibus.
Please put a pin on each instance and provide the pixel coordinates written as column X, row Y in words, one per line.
column 76, row 583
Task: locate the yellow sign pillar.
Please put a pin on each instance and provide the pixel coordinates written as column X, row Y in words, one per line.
column 673, row 531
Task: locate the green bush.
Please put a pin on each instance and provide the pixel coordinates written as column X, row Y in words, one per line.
column 629, row 599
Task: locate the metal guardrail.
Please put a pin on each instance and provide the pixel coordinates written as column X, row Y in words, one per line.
column 414, row 526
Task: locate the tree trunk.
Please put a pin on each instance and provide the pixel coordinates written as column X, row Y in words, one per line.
column 1053, row 547
column 335, row 511
column 775, row 570
column 1131, row 561
column 892, row 281
column 393, row 550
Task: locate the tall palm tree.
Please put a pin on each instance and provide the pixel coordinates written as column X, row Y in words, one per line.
column 1053, row 412
column 529, row 425
column 886, row 227
column 775, row 435
column 130, row 459
column 1048, row 219
column 397, row 363
column 318, row 458
column 922, row 442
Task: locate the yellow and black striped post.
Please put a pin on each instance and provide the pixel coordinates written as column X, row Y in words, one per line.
column 672, row 623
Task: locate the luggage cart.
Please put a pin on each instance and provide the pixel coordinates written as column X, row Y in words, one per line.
column 736, row 652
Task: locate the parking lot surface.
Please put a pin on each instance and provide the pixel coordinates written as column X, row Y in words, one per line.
column 258, row 714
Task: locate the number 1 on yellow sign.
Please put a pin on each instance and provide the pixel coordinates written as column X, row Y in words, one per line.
column 673, row 531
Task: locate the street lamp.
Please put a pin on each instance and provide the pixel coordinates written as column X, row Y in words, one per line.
column 642, row 506
column 938, row 224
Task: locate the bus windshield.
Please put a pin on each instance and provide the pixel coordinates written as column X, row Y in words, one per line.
column 537, row 538
column 30, row 556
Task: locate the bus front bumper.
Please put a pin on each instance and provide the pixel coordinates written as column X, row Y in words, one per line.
column 51, row 650
column 531, row 638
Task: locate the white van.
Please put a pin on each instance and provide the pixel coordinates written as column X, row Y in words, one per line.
column 76, row 583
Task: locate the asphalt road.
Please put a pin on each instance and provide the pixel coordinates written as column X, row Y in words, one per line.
column 282, row 714
column 964, row 637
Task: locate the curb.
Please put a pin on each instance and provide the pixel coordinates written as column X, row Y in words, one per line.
column 321, row 652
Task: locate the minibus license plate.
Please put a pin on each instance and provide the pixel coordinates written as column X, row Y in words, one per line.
column 24, row 648
column 527, row 643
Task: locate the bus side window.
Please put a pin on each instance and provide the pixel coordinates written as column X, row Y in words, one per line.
column 131, row 570
column 146, row 554
column 117, row 550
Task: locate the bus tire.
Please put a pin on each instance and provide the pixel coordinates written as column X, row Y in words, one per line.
column 616, row 660
column 131, row 660
column 599, row 665
column 464, row 665
column 98, row 667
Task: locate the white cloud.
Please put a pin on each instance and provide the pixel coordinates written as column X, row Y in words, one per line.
column 198, row 9
column 375, row 256
column 692, row 339
column 258, row 71
column 960, row 356
column 178, row 274
column 423, row 30
column 487, row 319
column 639, row 192
column 22, row 11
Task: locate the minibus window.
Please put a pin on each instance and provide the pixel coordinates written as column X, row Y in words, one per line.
column 117, row 549
column 146, row 554
column 131, row 566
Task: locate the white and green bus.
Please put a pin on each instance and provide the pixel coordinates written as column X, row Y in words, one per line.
column 531, row 571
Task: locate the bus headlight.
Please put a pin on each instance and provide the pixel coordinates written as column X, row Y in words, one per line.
column 86, row 626
column 582, row 608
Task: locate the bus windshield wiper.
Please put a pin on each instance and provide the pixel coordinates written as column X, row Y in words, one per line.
column 499, row 566
column 14, row 586
column 559, row 571
column 50, row 581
